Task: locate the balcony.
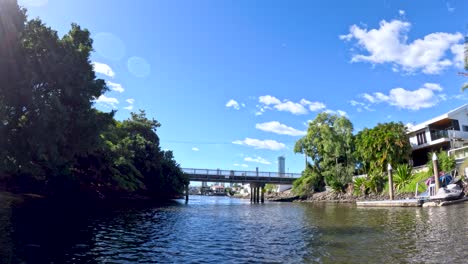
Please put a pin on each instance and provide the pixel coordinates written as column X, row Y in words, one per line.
column 438, row 134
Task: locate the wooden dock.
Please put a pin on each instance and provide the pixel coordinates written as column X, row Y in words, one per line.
column 391, row 203
column 444, row 203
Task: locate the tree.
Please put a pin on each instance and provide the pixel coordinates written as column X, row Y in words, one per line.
column 47, row 88
column 329, row 143
column 383, row 144
column 52, row 140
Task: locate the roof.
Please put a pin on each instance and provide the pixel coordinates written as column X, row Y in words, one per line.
column 438, row 118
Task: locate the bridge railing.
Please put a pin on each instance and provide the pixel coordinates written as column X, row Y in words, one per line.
column 228, row 173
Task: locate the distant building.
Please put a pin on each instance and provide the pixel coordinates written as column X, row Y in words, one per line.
column 447, row 132
column 282, row 173
column 281, row 165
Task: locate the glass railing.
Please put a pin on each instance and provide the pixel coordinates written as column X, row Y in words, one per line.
column 438, row 134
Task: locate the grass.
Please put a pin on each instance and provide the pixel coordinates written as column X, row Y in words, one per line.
column 411, row 186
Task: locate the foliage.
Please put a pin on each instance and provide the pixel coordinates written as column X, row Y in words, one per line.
column 383, row 144
column 446, row 163
column 463, row 166
column 359, row 186
column 52, row 139
column 402, row 176
column 329, row 143
column 309, row 182
column 270, row 188
column 375, row 182
column 411, row 186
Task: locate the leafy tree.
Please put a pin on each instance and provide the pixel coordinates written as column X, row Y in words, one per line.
column 383, row 144
column 329, row 143
column 446, row 163
column 48, row 85
column 52, row 139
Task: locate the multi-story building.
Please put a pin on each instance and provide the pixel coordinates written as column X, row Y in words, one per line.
column 446, row 132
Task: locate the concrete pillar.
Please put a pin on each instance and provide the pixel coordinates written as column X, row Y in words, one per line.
column 435, row 163
column 255, row 197
column 258, row 194
column 251, row 194
column 390, row 182
column 263, row 194
column 186, row 192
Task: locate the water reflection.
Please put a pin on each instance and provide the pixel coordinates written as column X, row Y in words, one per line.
column 219, row 229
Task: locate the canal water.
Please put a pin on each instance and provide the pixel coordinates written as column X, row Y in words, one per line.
column 225, row 230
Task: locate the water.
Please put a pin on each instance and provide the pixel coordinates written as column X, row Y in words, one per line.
column 224, row 230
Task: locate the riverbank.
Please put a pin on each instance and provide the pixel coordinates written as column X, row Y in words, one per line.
column 330, row 196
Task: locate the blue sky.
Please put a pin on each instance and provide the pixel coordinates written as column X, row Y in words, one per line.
column 235, row 82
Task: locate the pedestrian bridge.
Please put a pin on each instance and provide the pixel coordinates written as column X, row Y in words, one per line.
column 207, row 175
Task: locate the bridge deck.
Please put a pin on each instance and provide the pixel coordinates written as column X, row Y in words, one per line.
column 240, row 176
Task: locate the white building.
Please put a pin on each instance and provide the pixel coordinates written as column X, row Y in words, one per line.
column 445, row 132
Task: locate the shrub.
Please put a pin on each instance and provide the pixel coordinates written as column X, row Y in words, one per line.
column 446, row 163
column 309, row 182
column 402, row 176
column 359, row 186
column 375, row 182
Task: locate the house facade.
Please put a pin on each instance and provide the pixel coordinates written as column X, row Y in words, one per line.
column 446, row 132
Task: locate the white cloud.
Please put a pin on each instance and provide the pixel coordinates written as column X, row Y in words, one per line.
column 423, row 97
column 388, row 44
column 278, row 128
column 300, row 108
column 458, row 52
column 360, row 105
column 269, row 100
column 232, row 103
column 130, row 101
column 261, row 144
column 337, row 112
column 409, row 125
column 107, row 101
column 316, row 106
column 450, row 8
column 195, row 149
column 401, row 12
column 241, row 165
column 294, row 108
column 115, row 87
column 103, row 69
column 257, row 160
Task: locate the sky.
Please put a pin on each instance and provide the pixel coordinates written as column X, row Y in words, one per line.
column 234, row 83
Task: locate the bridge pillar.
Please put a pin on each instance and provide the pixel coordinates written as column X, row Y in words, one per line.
column 263, row 194
column 186, row 192
column 258, row 194
column 251, row 193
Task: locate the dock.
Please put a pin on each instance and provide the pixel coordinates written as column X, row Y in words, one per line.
column 409, row 203
column 391, row 203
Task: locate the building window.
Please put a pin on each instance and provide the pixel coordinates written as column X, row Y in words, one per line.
column 421, row 138
column 465, row 128
column 455, row 125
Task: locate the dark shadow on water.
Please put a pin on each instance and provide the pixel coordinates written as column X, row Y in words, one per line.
column 42, row 231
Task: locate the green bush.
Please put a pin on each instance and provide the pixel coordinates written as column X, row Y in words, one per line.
column 402, row 176
column 411, row 186
column 375, row 182
column 359, row 186
column 309, row 182
column 446, row 163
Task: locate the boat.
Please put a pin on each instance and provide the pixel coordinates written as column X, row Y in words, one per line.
column 449, row 193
